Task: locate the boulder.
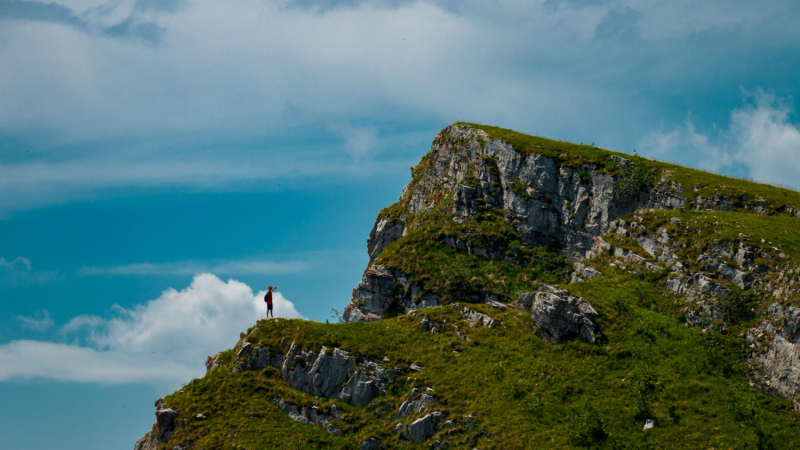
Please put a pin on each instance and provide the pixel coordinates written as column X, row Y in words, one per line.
column 382, row 289
column 420, row 429
column 525, row 300
column 370, row 444
column 293, row 414
column 212, row 362
column 560, row 316
column 583, row 272
column 261, row 357
column 476, row 319
column 361, row 388
column 412, row 406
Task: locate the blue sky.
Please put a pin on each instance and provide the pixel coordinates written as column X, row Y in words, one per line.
column 163, row 161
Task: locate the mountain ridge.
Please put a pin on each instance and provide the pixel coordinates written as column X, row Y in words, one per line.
column 552, row 271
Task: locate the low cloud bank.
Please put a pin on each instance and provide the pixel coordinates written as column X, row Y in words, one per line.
column 164, row 341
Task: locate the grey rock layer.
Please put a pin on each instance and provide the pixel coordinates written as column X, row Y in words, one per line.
column 420, row 429
column 781, row 362
column 311, row 416
column 560, row 316
column 162, row 429
column 318, row 374
column 382, row 289
column 328, row 373
column 410, row 406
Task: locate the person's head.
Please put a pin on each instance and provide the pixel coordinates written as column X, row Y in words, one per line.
column 270, row 288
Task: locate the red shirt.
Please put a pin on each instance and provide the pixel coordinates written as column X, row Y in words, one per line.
column 269, row 298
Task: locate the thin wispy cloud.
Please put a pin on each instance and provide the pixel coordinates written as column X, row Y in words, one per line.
column 52, row 12
column 190, row 267
column 360, row 141
column 20, row 272
column 42, row 322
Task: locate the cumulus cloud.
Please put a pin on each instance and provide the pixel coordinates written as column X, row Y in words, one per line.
column 760, row 142
column 767, row 142
column 247, row 267
column 20, row 272
column 165, row 340
column 32, row 323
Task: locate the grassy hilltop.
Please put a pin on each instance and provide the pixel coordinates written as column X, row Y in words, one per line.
column 508, row 388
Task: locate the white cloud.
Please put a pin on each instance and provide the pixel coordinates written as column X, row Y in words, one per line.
column 62, row 362
column 768, row 143
column 360, row 141
column 247, row 267
column 35, row 324
column 83, row 321
column 162, row 341
column 247, row 68
column 20, row 272
column 760, row 138
column 205, row 107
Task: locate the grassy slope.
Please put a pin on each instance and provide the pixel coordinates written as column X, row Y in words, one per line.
column 454, row 276
column 526, row 392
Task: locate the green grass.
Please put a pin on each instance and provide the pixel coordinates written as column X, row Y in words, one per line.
column 526, row 392
column 456, row 275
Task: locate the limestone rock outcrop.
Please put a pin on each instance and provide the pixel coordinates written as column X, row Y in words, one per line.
column 162, row 429
column 420, row 429
column 382, row 289
column 311, row 416
column 560, row 315
column 330, row 373
column 545, row 201
column 780, row 364
column 321, row 374
column 413, row 404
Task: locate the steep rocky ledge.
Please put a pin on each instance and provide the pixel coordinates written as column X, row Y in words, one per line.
column 565, row 205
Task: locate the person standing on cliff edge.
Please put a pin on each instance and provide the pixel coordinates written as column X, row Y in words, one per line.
column 268, row 300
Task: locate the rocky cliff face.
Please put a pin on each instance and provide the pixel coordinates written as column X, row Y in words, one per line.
column 162, row 429
column 566, row 205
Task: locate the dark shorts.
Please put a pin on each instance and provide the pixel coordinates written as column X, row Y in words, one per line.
column 269, row 306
